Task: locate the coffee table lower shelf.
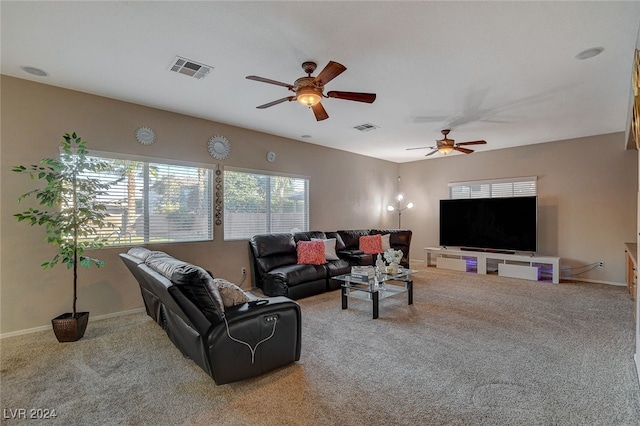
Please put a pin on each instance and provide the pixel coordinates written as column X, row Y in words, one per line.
column 375, row 295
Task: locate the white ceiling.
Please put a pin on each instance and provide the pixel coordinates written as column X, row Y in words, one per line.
column 501, row 71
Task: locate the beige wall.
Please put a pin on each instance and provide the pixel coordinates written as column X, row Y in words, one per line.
column 587, row 193
column 347, row 191
column 586, row 197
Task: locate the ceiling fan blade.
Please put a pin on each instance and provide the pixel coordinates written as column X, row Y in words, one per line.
column 431, row 153
column 420, row 147
column 431, row 119
column 353, row 96
column 465, row 150
column 279, row 101
column 319, row 112
column 331, row 71
column 472, row 143
column 266, row 80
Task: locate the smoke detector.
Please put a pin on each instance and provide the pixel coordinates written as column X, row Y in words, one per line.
column 190, row 68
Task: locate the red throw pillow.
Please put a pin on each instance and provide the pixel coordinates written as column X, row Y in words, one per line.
column 371, row 244
column 311, row 253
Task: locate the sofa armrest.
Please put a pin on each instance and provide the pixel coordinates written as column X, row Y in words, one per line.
column 255, row 339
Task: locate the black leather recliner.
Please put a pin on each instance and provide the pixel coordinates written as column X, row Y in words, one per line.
column 276, row 271
column 229, row 343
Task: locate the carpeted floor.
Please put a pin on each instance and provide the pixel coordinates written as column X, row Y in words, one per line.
column 472, row 350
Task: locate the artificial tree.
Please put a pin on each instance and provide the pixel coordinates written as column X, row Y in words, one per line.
column 73, row 217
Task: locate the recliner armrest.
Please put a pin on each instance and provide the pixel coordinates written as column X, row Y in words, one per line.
column 255, row 339
column 243, row 311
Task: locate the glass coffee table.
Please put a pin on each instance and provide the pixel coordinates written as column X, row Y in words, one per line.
column 376, row 289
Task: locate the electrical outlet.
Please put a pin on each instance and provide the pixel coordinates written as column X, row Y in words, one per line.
column 244, row 271
column 600, row 264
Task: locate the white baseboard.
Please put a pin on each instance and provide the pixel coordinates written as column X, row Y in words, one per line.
column 48, row 327
column 593, row 281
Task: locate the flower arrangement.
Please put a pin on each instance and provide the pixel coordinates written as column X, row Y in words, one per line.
column 393, row 255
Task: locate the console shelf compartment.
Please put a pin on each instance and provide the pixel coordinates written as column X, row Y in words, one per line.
column 451, row 263
column 519, row 271
column 525, row 266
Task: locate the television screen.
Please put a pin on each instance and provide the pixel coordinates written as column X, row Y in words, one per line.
column 490, row 223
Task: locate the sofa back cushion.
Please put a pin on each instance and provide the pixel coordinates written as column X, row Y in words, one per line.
column 308, row 236
column 273, row 250
column 351, row 238
column 142, row 253
column 397, row 237
column 139, row 253
column 339, row 243
column 193, row 281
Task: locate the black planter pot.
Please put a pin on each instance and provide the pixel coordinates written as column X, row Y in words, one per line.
column 70, row 328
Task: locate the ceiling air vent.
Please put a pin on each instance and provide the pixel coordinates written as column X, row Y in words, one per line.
column 366, row 127
column 190, row 68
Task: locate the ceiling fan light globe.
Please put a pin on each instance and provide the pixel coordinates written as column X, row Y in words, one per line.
column 444, row 150
column 308, row 97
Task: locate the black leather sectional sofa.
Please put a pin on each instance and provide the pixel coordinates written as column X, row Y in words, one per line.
column 230, row 333
column 275, row 270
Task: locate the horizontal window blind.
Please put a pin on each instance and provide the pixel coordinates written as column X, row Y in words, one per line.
column 509, row 187
column 256, row 203
column 157, row 203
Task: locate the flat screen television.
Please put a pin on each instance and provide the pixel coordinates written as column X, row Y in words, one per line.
column 504, row 224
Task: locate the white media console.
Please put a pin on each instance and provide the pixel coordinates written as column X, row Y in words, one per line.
column 528, row 267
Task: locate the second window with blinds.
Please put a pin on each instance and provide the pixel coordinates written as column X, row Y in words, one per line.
column 494, row 188
column 263, row 202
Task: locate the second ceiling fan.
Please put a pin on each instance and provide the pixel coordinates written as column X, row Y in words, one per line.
column 446, row 145
column 309, row 90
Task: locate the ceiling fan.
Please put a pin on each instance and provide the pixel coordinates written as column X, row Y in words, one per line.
column 446, row 145
column 309, row 90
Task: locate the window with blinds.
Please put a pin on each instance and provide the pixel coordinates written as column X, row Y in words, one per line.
column 260, row 202
column 156, row 202
column 509, row 187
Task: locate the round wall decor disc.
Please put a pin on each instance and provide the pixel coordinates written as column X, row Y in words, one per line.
column 219, row 147
column 145, row 135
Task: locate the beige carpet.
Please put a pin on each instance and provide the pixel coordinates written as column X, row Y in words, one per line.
column 472, row 350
